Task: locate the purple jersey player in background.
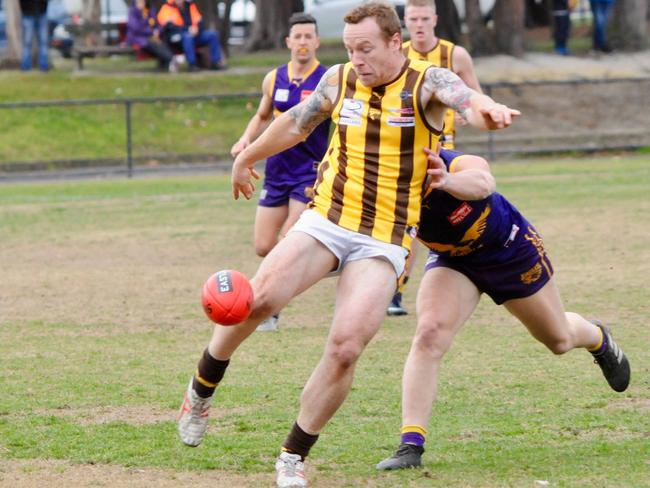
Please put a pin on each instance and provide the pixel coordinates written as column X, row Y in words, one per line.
column 480, row 243
column 289, row 175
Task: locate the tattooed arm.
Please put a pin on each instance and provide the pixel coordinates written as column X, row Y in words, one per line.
column 290, row 128
column 442, row 87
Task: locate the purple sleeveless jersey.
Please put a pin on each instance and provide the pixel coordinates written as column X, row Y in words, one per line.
column 487, row 240
column 299, row 162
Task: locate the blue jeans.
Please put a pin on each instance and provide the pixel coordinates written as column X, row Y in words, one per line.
column 600, row 10
column 209, row 37
column 36, row 23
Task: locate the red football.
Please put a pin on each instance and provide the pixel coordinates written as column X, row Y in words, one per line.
column 227, row 297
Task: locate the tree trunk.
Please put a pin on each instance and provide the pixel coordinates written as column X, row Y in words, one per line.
column 14, row 34
column 481, row 43
column 448, row 26
column 509, row 26
column 224, row 27
column 628, row 29
column 271, row 24
column 91, row 13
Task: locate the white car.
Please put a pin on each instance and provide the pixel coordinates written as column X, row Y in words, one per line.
column 330, row 13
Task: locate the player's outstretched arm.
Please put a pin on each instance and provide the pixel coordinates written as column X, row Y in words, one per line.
column 478, row 109
column 290, row 128
column 469, row 179
column 259, row 121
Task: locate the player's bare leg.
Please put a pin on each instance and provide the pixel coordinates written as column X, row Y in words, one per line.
column 295, row 209
column 446, row 299
column 269, row 221
column 363, row 292
column 544, row 316
column 294, row 265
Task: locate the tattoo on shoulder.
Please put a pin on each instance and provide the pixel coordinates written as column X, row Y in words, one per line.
column 449, row 89
column 318, row 106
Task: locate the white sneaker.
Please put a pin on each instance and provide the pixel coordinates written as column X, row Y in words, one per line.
column 193, row 417
column 173, row 65
column 270, row 324
column 291, row 471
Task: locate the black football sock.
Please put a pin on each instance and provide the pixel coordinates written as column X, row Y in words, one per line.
column 209, row 373
column 299, row 442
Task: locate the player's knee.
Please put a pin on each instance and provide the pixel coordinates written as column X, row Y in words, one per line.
column 431, row 338
column 344, row 354
column 262, row 249
column 559, row 345
column 264, row 303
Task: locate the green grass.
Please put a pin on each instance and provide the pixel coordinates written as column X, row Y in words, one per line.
column 207, row 128
column 100, row 328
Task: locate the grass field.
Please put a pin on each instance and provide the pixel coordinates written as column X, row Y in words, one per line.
column 101, row 327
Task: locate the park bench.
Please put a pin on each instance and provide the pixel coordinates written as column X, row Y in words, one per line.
column 111, row 33
column 82, row 52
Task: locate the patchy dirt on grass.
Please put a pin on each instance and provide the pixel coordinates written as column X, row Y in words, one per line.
column 63, row 474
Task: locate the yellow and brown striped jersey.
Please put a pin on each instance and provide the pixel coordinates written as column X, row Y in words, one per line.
column 439, row 56
column 371, row 178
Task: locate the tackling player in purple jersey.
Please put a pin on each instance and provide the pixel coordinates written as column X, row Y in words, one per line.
column 289, row 175
column 480, row 243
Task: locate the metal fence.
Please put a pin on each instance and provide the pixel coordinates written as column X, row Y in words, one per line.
column 132, row 133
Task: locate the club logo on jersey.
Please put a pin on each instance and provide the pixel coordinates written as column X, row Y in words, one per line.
column 224, row 282
column 458, row 215
column 281, row 95
column 374, row 114
column 351, row 112
column 532, row 275
column 305, row 93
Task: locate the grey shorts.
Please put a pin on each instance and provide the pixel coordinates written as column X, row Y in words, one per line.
column 348, row 245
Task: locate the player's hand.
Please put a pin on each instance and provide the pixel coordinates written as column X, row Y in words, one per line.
column 498, row 116
column 437, row 170
column 242, row 180
column 238, row 147
column 459, row 120
column 193, row 30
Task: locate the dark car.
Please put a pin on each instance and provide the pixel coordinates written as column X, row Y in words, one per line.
column 57, row 17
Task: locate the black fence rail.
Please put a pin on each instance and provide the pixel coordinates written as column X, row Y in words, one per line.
column 146, row 132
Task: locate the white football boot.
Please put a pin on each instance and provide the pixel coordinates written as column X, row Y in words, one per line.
column 291, row 471
column 193, row 417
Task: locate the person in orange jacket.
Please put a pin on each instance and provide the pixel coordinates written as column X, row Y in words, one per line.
column 182, row 26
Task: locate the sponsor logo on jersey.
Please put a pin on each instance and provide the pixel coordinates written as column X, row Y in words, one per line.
column 401, row 121
column 402, row 111
column 351, row 112
column 458, row 215
column 281, row 95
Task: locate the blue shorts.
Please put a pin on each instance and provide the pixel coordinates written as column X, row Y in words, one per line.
column 278, row 193
column 518, row 268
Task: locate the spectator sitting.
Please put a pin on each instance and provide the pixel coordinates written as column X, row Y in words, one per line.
column 142, row 32
column 183, row 26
